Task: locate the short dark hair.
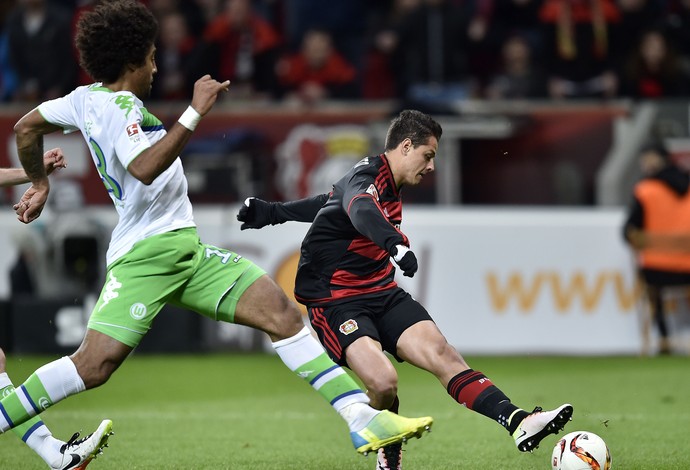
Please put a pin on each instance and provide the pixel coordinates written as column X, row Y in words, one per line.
column 113, row 35
column 412, row 124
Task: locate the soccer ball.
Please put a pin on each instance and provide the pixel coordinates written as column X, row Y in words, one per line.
column 581, row 450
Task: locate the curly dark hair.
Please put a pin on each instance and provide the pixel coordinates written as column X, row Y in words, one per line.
column 412, row 124
column 113, row 35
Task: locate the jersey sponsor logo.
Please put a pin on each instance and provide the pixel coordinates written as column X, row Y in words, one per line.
column 350, row 326
column 133, row 132
column 372, row 190
column 137, row 311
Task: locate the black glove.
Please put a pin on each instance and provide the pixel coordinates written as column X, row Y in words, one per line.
column 255, row 213
column 405, row 259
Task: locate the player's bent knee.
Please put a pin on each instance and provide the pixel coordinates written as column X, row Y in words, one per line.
column 383, row 385
column 288, row 321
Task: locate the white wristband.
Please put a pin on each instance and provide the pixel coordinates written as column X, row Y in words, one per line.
column 402, row 249
column 190, row 118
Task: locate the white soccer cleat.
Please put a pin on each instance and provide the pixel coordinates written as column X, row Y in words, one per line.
column 539, row 424
column 389, row 457
column 78, row 453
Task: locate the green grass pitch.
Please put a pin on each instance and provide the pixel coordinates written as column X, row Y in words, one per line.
column 225, row 411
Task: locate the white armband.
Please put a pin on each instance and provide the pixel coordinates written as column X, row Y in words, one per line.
column 190, row 118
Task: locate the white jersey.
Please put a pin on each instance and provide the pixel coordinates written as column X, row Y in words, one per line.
column 117, row 128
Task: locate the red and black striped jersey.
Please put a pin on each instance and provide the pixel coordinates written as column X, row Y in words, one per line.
column 346, row 252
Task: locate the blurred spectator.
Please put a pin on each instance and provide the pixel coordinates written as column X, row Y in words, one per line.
column 190, row 10
column 637, row 16
column 578, row 47
column 520, row 17
column 484, row 39
column 345, row 20
column 433, row 44
column 240, row 46
column 653, row 70
column 175, row 45
column 382, row 61
column 317, row 71
column 40, row 50
column 272, row 11
column 519, row 77
column 209, row 9
column 657, row 215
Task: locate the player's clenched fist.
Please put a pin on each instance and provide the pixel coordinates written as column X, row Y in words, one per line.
column 405, row 259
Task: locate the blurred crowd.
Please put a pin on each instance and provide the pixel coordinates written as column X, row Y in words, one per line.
column 305, row 51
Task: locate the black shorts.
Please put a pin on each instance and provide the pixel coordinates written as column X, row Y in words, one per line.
column 382, row 317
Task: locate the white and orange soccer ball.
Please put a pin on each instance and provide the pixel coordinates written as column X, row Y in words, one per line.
column 581, row 450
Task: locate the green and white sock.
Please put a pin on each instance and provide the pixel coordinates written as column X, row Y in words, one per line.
column 304, row 355
column 45, row 387
column 34, row 432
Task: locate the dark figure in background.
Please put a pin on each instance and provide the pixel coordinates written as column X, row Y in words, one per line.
column 654, row 70
column 345, row 20
column 239, row 45
column 382, row 59
column 175, row 47
column 519, row 17
column 579, row 53
column 433, row 43
column 656, row 227
column 636, row 17
column 40, row 50
column 519, row 76
column 317, row 72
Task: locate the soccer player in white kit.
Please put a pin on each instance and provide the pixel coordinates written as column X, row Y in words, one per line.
column 155, row 255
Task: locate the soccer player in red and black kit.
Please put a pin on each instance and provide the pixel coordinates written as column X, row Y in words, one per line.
column 346, row 280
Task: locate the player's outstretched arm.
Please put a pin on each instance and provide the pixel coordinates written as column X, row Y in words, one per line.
column 52, row 160
column 12, row 176
column 158, row 158
column 257, row 213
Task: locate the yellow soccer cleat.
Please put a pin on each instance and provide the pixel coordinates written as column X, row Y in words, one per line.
column 388, row 428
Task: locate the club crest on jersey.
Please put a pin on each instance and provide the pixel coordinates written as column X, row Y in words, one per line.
column 348, row 327
column 133, row 132
column 372, row 190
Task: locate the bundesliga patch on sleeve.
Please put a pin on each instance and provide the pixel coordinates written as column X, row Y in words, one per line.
column 372, row 190
column 134, row 132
